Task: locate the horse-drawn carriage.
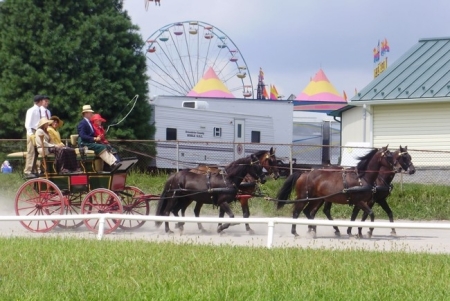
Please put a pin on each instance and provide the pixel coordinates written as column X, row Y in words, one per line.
column 96, row 191
column 92, row 190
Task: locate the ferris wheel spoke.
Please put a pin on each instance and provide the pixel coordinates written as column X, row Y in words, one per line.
column 175, row 68
column 167, row 88
column 177, row 83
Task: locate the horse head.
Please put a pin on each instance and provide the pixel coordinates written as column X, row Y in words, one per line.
column 269, row 162
column 255, row 169
column 403, row 161
column 386, row 157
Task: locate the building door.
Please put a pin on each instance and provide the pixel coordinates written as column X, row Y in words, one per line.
column 239, row 138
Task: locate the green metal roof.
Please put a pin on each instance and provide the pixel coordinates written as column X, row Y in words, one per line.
column 423, row 72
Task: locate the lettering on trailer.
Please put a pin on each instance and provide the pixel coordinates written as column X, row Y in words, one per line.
column 194, row 134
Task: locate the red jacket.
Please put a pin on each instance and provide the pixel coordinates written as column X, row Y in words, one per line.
column 100, row 131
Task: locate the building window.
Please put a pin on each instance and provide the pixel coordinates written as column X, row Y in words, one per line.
column 239, row 130
column 171, row 134
column 256, row 136
column 217, row 132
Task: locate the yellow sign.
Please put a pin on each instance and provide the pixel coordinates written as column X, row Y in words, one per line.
column 380, row 67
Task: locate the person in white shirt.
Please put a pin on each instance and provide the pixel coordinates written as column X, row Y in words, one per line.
column 31, row 122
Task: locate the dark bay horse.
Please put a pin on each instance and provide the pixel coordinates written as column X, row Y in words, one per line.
column 247, row 187
column 343, row 186
column 383, row 186
column 219, row 189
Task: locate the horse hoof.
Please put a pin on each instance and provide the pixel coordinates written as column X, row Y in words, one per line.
column 169, row 232
column 337, row 233
column 181, row 228
column 393, row 233
column 251, row 232
column 219, row 229
column 203, row 231
column 369, row 234
column 312, row 234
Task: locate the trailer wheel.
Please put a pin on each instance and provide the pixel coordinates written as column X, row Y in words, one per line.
column 133, row 205
column 39, row 197
column 101, row 200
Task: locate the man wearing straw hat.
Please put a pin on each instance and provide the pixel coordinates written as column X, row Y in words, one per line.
column 86, row 137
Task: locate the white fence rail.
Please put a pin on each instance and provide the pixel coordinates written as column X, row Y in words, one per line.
column 270, row 221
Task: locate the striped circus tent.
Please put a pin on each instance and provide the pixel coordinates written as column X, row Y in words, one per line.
column 210, row 86
column 319, row 96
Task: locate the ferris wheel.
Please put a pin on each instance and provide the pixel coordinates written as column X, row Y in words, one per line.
column 179, row 54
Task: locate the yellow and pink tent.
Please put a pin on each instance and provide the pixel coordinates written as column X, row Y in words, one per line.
column 210, row 86
column 319, row 96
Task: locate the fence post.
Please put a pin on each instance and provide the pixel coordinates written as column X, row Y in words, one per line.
column 178, row 155
column 270, row 226
column 101, row 227
column 290, row 158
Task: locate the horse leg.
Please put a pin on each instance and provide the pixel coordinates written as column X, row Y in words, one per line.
column 367, row 209
column 197, row 208
column 364, row 217
column 298, row 207
column 327, row 212
column 226, row 208
column 355, row 212
column 383, row 203
column 310, row 213
column 246, row 213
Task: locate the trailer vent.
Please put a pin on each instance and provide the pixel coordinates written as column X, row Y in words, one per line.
column 199, row 105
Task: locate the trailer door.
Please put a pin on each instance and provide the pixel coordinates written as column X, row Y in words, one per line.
column 239, row 138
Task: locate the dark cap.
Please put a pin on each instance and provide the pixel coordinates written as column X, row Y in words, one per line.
column 38, row 98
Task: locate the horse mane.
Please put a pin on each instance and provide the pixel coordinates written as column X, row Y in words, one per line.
column 364, row 161
column 260, row 153
column 236, row 167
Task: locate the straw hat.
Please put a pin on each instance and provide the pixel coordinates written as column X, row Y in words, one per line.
column 87, row 108
column 44, row 121
column 56, row 118
column 97, row 117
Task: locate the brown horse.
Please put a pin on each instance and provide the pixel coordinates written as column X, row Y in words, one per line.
column 247, row 187
column 219, row 189
column 342, row 186
column 383, row 187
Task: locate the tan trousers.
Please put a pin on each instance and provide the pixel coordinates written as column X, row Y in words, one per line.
column 107, row 157
column 30, row 156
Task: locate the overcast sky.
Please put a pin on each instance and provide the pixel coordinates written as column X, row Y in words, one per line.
column 292, row 39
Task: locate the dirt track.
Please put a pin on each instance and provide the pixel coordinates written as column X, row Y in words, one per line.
column 408, row 240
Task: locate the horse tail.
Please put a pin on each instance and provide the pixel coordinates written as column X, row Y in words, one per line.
column 163, row 200
column 161, row 206
column 287, row 188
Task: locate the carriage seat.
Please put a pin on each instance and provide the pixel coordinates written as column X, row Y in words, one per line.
column 90, row 154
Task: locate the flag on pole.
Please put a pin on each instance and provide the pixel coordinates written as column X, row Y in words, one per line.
column 345, row 96
column 266, row 96
column 273, row 92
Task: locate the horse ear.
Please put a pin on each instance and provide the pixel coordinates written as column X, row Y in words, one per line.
column 271, row 150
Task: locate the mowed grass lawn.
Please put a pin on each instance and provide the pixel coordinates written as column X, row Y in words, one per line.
column 78, row 269
column 44, row 268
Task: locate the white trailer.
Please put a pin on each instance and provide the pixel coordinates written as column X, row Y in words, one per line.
column 192, row 131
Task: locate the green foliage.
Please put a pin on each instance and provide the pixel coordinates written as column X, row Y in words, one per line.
column 77, row 52
column 87, row 269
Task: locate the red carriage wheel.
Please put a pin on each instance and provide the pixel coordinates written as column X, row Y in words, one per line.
column 133, row 205
column 72, row 206
column 39, row 197
column 101, row 200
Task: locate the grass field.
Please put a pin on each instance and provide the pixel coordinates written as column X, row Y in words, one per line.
column 76, row 269
column 83, row 269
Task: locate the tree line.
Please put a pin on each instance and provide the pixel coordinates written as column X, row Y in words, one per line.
column 76, row 52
